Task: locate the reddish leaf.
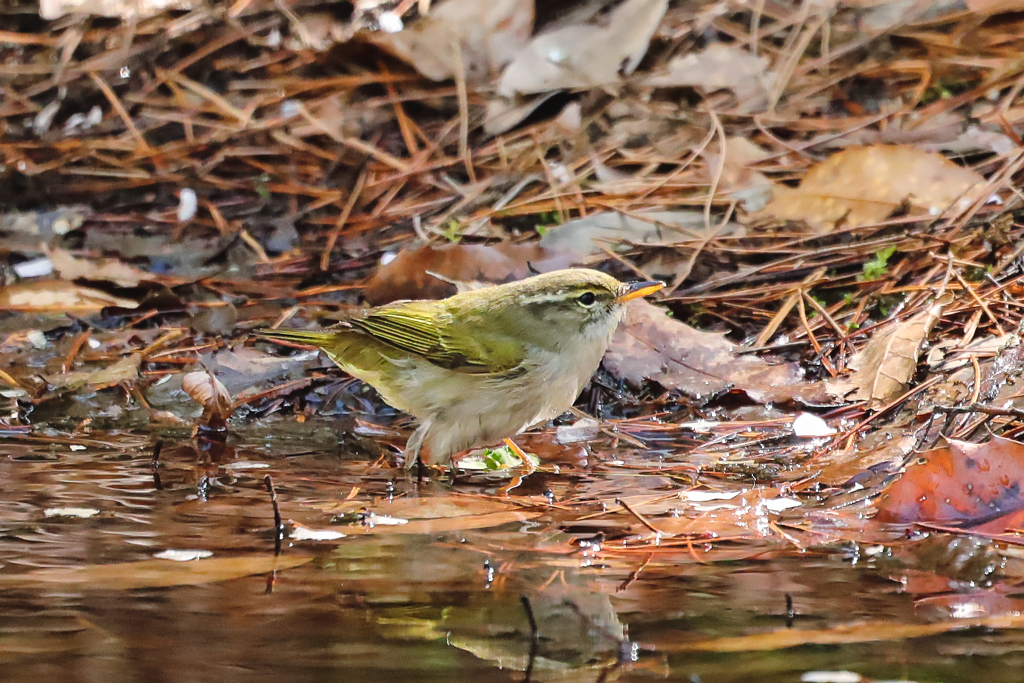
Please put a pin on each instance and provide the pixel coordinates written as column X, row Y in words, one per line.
column 965, row 483
column 410, row 275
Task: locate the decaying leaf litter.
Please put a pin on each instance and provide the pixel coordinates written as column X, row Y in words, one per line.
column 828, row 190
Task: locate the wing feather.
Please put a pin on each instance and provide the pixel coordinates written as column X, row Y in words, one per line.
column 430, row 331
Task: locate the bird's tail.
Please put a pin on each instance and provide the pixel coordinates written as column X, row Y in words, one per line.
column 318, row 339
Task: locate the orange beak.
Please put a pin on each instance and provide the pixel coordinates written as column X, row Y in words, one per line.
column 635, row 290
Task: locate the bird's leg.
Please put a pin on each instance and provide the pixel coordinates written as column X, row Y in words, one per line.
column 527, row 463
column 413, row 447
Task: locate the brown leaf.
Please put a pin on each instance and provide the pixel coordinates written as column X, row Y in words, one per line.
column 583, row 237
column 112, row 270
column 720, row 67
column 123, row 370
column 883, row 367
column 57, row 295
column 750, row 187
column 585, row 55
column 964, row 483
column 864, row 185
column 154, row 573
column 650, row 345
column 126, row 9
column 209, row 392
column 408, row 275
column 478, row 38
column 430, row 515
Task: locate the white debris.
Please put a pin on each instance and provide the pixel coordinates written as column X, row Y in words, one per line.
column 301, row 533
column 183, row 555
column 808, row 425
column 81, row 513
column 831, row 677
column 390, row 22
column 780, row 504
column 37, row 267
column 188, row 204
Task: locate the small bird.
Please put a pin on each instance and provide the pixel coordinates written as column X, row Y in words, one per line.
column 483, row 365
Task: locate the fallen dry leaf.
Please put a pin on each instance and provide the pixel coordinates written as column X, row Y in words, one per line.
column 212, row 395
column 751, row 188
column 429, row 515
column 650, row 345
column 477, row 38
column 882, row 369
column 720, row 67
column 963, row 483
column 112, row 270
column 864, row 185
column 57, row 295
column 125, row 9
column 585, row 236
column 153, row 573
column 408, row 275
column 123, row 370
column 585, row 55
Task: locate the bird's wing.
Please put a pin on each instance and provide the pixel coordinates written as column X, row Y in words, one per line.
column 429, row 331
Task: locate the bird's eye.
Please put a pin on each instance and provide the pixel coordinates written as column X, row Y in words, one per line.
column 587, row 299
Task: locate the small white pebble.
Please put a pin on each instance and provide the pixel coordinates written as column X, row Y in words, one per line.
column 37, row 339
column 188, row 204
column 390, row 22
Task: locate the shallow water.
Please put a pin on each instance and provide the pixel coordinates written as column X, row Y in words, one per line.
column 420, row 602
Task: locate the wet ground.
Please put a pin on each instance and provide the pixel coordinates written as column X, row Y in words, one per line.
column 432, row 582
